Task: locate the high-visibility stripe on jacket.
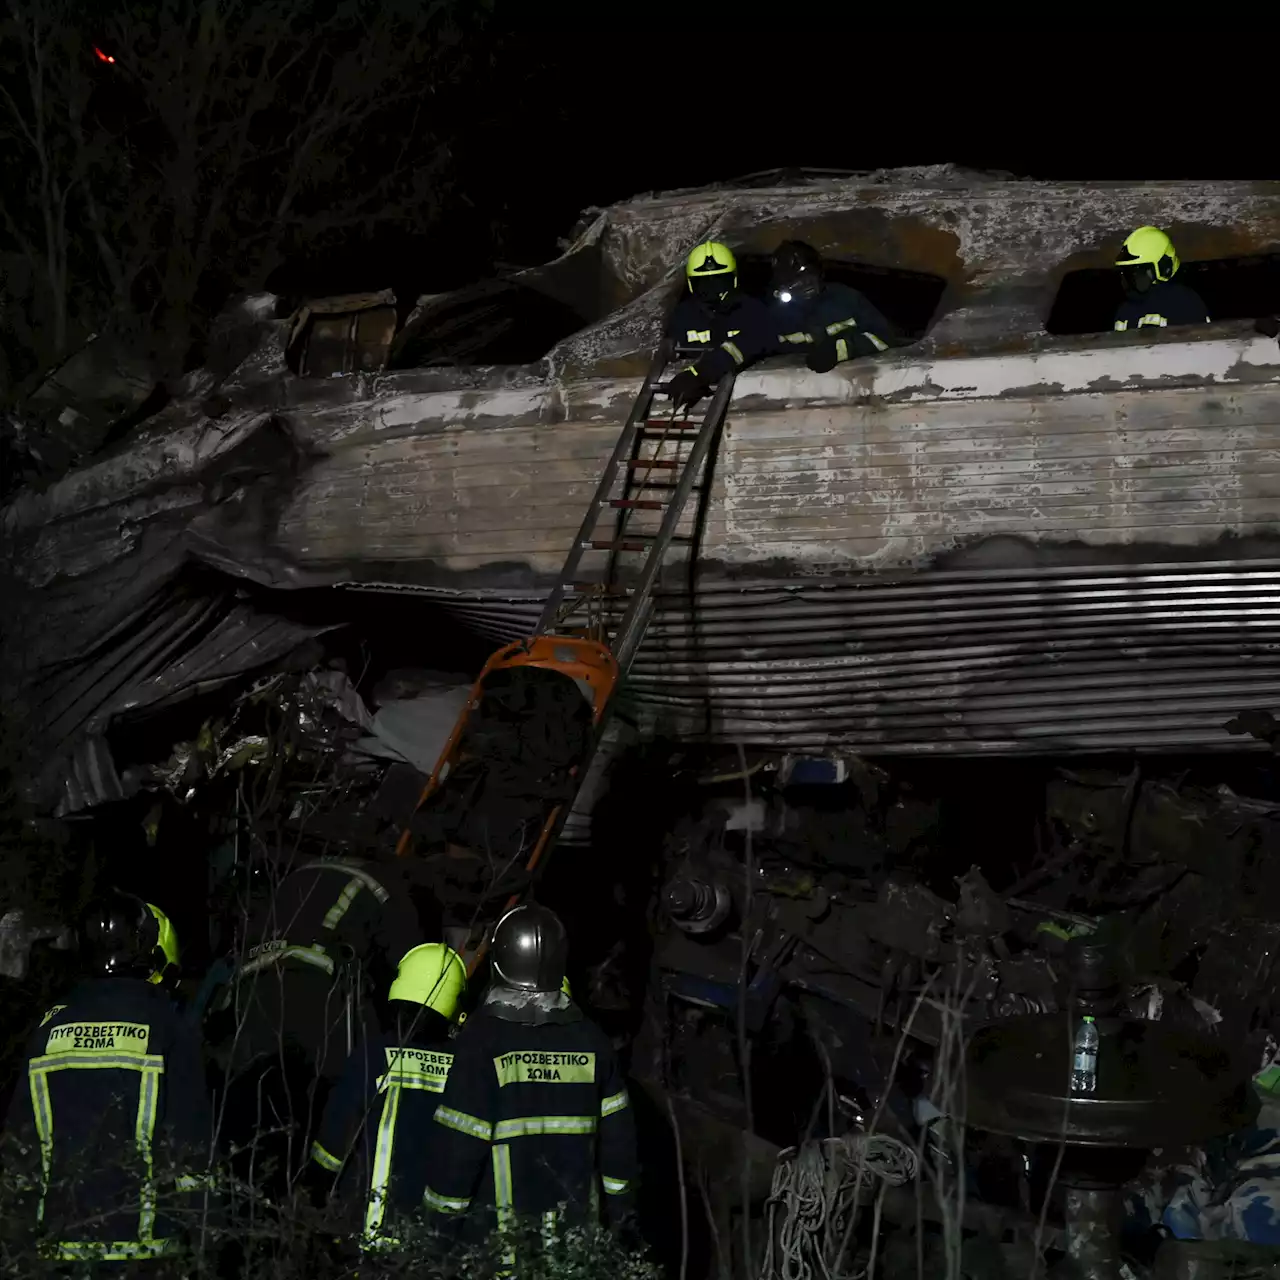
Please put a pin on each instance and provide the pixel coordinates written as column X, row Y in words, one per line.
column 333, row 905
column 839, row 317
column 111, row 1127
column 533, row 1117
column 694, row 324
column 1166, row 302
column 329, row 934
column 376, row 1126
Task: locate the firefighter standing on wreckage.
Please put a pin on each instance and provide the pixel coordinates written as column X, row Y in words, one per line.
column 534, row 1122
column 110, row 1132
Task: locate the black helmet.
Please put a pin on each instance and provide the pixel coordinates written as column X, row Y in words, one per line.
column 797, row 272
column 530, row 948
column 122, row 936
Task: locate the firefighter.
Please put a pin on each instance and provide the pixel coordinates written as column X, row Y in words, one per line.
column 329, row 935
column 110, row 1132
column 377, row 1118
column 535, row 1119
column 734, row 327
column 829, row 322
column 713, row 311
column 1148, row 263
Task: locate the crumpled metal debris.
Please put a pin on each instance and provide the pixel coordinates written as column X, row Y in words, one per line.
column 212, row 754
column 980, row 909
column 322, row 710
column 910, row 918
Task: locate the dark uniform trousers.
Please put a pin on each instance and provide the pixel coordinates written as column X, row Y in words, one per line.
column 110, row 1129
column 534, row 1124
column 375, row 1131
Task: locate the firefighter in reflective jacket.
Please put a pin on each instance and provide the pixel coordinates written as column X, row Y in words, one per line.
column 1148, row 263
column 377, row 1119
column 330, row 932
column 535, row 1117
column 325, row 941
column 110, row 1132
column 830, row 323
column 712, row 311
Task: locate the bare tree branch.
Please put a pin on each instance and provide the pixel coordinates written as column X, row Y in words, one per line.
column 220, row 139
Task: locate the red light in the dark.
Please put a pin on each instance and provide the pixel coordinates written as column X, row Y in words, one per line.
column 102, row 57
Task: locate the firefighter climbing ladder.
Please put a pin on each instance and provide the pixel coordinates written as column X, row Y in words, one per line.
column 651, row 473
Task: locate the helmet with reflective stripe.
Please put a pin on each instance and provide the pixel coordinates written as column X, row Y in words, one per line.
column 432, row 975
column 529, row 949
column 1149, row 246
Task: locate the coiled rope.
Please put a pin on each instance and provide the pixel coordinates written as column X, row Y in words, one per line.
column 814, row 1197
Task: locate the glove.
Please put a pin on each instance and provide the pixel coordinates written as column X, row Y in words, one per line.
column 685, row 389
column 822, row 359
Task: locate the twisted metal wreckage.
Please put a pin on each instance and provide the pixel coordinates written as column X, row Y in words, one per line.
column 992, row 541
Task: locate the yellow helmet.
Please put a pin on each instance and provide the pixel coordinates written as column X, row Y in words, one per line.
column 711, row 259
column 432, row 975
column 166, row 943
column 1149, row 246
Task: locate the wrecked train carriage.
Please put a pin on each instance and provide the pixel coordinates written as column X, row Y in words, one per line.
column 993, row 540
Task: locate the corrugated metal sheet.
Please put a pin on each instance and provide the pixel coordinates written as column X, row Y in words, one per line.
column 1046, row 660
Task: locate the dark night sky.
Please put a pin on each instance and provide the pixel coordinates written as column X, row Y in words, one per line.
column 580, row 113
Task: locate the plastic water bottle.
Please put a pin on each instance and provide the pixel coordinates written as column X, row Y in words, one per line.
column 1084, row 1063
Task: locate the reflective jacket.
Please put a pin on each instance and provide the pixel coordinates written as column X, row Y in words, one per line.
column 331, row 910
column 694, row 324
column 111, row 1129
column 331, row 933
column 1166, row 302
column 840, row 318
column 376, row 1125
column 533, row 1117
column 840, row 323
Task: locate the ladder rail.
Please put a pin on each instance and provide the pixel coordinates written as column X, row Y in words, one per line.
column 635, row 620
column 630, row 430
column 627, row 636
